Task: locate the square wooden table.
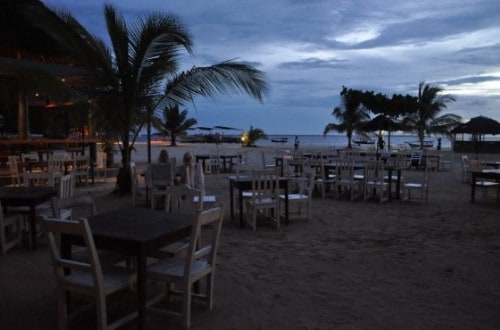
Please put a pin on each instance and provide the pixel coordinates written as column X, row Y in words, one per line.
column 27, row 196
column 135, row 232
column 244, row 182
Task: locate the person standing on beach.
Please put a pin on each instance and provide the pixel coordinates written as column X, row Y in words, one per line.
column 296, row 143
column 381, row 142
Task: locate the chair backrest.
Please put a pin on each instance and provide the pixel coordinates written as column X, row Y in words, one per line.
column 39, row 178
column 14, row 170
column 62, row 264
column 85, row 204
column 374, row 171
column 81, row 163
column 30, row 156
column 345, row 169
column 182, row 199
column 66, row 186
column 475, row 165
column 161, row 174
column 265, row 184
column 56, row 163
column 205, row 249
column 305, row 183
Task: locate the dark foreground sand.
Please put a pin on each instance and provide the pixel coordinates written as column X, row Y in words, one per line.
column 360, row 265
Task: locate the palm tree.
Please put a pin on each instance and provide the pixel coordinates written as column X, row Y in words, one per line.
column 424, row 119
column 126, row 80
column 253, row 134
column 176, row 123
column 351, row 114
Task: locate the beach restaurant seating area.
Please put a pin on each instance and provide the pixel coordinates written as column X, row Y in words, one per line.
column 157, row 236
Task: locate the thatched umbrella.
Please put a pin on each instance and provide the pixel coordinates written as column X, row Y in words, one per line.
column 381, row 123
column 479, row 125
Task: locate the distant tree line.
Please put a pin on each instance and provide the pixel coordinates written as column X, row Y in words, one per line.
column 419, row 114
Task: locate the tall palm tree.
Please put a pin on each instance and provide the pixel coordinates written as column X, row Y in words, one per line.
column 175, row 122
column 424, row 119
column 126, row 79
column 351, row 115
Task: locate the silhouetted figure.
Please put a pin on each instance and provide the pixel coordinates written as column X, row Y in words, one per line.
column 381, row 143
column 296, row 143
column 439, row 144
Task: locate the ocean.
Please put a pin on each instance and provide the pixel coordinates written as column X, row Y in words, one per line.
column 340, row 141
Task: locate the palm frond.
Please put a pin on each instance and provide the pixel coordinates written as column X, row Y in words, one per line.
column 220, row 79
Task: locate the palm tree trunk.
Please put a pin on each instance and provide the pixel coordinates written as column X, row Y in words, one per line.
column 124, row 177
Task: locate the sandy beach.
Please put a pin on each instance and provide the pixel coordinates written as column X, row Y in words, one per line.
column 359, row 265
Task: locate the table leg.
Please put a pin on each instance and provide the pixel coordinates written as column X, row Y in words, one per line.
column 286, row 204
column 141, row 287
column 473, row 188
column 240, row 201
column 389, row 179
column 33, row 226
column 231, row 199
column 398, row 185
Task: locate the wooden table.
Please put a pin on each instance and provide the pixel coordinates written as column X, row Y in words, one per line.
column 244, row 182
column 27, row 196
column 484, row 174
column 136, row 231
column 226, row 160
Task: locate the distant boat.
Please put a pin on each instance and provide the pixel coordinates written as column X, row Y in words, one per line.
column 363, row 140
column 280, row 140
column 416, row 144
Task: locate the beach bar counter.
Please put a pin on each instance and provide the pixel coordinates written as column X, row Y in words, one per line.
column 46, row 145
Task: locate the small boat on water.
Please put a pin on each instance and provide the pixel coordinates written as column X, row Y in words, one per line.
column 280, row 140
column 416, row 144
column 365, row 140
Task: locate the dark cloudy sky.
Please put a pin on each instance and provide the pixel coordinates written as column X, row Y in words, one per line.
column 310, row 49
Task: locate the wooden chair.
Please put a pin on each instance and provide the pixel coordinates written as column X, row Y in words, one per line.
column 374, row 184
column 100, row 165
column 15, row 174
column 11, row 228
column 65, row 189
column 81, row 168
column 180, row 199
column 265, row 197
column 213, row 163
column 346, row 183
column 266, row 165
column 465, row 169
column 420, row 186
column 158, row 178
column 84, row 277
column 199, row 263
column 63, row 207
column 300, row 201
column 484, row 185
column 139, row 189
column 323, row 180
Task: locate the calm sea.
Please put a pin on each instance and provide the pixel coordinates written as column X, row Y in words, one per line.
column 340, row 141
